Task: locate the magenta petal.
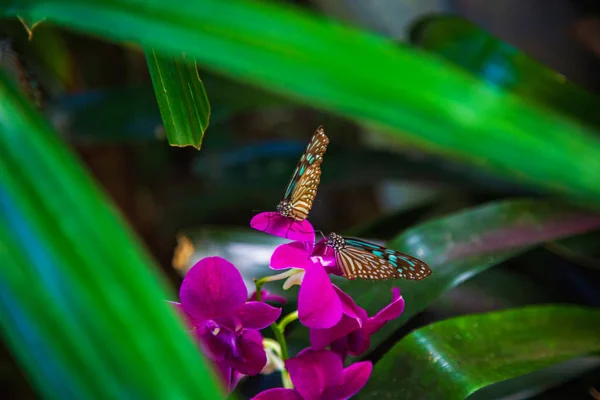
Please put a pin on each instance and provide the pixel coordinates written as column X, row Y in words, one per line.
column 279, row 394
column 320, row 338
column 247, row 356
column 214, row 341
column 354, row 378
column 253, row 336
column 212, row 288
column 349, row 307
column 318, row 304
column 312, row 371
column 278, row 225
column 257, row 315
column 291, row 255
column 391, row 311
column 227, row 374
column 358, row 342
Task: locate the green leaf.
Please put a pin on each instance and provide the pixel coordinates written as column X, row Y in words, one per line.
column 181, row 97
column 502, row 65
column 418, row 97
column 81, row 303
column 461, row 245
column 454, row 358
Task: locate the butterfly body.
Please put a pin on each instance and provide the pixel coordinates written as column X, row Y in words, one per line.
column 359, row 259
column 302, row 187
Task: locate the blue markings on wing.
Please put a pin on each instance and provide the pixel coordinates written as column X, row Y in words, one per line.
column 310, row 158
column 361, row 244
column 302, row 169
column 378, row 253
column 408, row 261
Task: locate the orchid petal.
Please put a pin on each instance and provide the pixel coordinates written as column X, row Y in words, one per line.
column 212, row 288
column 358, row 342
column 246, row 355
column 228, row 375
column 278, row 225
column 354, row 378
column 257, row 315
column 391, row 311
column 291, row 255
column 214, row 341
column 349, row 307
column 320, row 338
column 279, row 394
column 312, row 371
column 318, row 304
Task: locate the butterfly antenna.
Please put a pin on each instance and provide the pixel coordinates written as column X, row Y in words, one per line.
column 321, row 232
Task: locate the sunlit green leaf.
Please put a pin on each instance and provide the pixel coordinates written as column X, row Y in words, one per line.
column 454, row 358
column 501, row 64
column 416, row 96
column 81, row 303
column 181, row 97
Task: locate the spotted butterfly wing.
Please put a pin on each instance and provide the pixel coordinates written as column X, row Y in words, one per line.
column 302, row 188
column 359, row 259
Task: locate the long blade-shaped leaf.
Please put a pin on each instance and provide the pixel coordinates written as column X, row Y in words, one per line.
column 426, row 100
column 454, row 358
column 470, row 47
column 76, row 285
column 181, row 97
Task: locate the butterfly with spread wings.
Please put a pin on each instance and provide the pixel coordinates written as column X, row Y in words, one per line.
column 302, row 188
column 359, row 259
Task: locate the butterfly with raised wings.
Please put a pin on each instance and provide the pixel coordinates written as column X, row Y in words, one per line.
column 357, row 258
column 302, row 188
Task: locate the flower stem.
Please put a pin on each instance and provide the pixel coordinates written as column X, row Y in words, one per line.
column 278, row 332
column 277, row 329
column 291, row 317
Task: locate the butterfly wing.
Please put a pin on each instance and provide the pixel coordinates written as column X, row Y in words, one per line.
column 305, row 193
column 302, row 188
column 360, row 259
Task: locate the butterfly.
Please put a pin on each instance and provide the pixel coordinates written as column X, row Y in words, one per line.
column 302, row 188
column 359, row 259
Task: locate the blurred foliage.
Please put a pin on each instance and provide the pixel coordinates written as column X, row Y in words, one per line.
column 476, row 122
column 504, row 66
column 77, row 290
column 443, row 134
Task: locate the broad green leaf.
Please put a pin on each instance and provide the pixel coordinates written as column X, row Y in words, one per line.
column 181, row 97
column 81, row 303
column 501, row 64
column 461, row 245
column 454, row 358
column 418, row 97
